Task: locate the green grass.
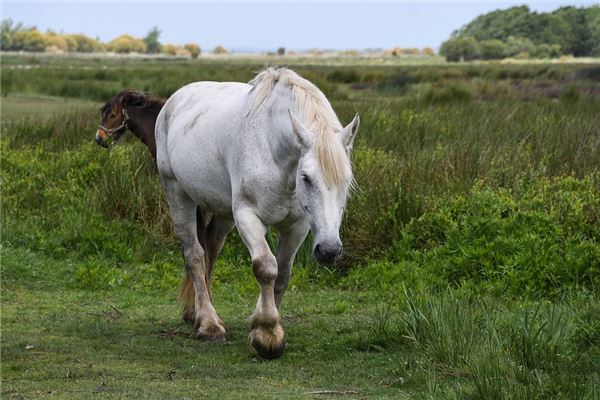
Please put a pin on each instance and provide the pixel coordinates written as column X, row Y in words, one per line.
column 125, row 342
column 472, row 244
column 27, row 106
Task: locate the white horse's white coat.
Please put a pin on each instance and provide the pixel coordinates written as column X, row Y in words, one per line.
column 271, row 152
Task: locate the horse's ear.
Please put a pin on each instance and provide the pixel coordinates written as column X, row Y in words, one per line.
column 134, row 98
column 349, row 133
column 305, row 137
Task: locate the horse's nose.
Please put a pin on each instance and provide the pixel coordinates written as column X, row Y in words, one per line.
column 101, row 141
column 327, row 252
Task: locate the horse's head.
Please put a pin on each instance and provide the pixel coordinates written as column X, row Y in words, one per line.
column 115, row 116
column 321, row 190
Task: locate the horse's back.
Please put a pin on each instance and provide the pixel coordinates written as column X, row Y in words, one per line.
column 194, row 131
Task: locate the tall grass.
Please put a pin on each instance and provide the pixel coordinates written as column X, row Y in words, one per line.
column 484, row 348
column 425, row 140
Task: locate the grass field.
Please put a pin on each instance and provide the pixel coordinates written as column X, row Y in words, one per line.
column 472, row 265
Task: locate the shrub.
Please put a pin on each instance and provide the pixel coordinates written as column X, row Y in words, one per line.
column 492, row 49
column 193, row 49
column 57, row 41
column 547, row 51
column 82, row 44
column 541, row 239
column 460, row 49
column 220, row 50
column 519, row 47
column 29, row 40
column 127, row 44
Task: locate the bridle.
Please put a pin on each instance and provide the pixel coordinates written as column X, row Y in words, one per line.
column 110, row 132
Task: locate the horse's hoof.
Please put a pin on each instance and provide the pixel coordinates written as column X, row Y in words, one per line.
column 268, row 345
column 211, row 333
column 268, row 353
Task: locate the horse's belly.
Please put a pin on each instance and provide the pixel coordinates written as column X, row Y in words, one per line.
column 204, row 179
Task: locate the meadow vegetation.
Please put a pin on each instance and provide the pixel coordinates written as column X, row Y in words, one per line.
column 472, row 254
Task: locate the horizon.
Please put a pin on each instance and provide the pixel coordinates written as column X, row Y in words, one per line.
column 263, row 26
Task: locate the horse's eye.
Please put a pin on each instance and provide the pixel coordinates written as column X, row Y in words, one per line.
column 306, row 179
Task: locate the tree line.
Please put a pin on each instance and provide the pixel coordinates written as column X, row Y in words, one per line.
column 17, row 37
column 518, row 32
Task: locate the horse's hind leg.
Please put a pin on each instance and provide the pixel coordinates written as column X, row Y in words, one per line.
column 212, row 238
column 267, row 335
column 216, row 233
column 183, row 213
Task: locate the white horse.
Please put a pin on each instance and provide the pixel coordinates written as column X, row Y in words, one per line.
column 271, row 152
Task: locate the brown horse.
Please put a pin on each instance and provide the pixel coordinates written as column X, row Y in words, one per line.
column 137, row 112
column 133, row 110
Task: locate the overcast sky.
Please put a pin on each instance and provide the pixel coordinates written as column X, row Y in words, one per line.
column 265, row 25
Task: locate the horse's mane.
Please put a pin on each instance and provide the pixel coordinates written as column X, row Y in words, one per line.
column 314, row 111
column 135, row 98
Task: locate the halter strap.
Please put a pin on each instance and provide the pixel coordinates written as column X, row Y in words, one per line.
column 110, row 132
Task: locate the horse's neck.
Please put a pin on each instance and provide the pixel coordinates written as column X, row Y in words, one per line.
column 142, row 123
column 283, row 146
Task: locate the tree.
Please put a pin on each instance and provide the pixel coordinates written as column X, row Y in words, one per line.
column 580, row 43
column 193, row 48
column 492, row 49
column 594, row 24
column 546, row 51
column 518, row 46
column 6, row 34
column 127, row 44
column 460, row 49
column 55, row 41
column 82, row 44
column 574, row 30
column 220, row 50
column 153, row 46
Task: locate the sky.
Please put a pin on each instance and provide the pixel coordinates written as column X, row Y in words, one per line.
column 263, row 26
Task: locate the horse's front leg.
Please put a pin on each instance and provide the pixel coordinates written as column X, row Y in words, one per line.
column 183, row 213
column 267, row 335
column 290, row 240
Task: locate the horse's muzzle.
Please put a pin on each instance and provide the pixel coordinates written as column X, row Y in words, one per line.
column 328, row 252
column 100, row 140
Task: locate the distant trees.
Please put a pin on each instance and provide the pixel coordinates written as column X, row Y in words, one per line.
column 127, row 44
column 411, row 51
column 193, row 49
column 220, row 50
column 462, row 48
column 153, row 46
column 491, row 49
column 523, row 33
column 17, row 37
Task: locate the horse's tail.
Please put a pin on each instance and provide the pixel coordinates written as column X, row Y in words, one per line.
column 187, row 293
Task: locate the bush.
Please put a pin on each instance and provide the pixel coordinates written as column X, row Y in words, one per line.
column 83, row 44
column 127, row 44
column 492, row 49
column 519, row 47
column 29, row 40
column 220, row 50
column 546, row 51
column 460, row 49
column 193, row 49
column 541, row 239
column 57, row 41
